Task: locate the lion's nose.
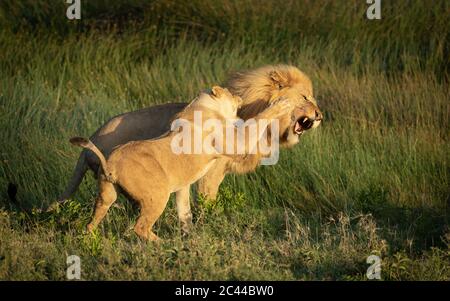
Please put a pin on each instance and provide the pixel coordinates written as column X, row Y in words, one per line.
column 319, row 115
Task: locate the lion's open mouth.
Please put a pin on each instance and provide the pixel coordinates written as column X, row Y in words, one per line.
column 302, row 124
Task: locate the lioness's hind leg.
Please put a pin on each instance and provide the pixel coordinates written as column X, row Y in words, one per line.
column 107, row 196
column 152, row 206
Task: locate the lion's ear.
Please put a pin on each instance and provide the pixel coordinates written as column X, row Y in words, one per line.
column 217, row 91
column 279, row 79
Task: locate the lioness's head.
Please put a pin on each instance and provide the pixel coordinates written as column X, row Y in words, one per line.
column 219, row 100
column 227, row 103
column 259, row 87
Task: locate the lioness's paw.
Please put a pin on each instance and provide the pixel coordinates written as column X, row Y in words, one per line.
column 90, row 228
column 280, row 107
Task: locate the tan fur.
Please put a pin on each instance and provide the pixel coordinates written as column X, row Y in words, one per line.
column 148, row 170
column 257, row 87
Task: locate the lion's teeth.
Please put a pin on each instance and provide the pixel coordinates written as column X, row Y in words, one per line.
column 306, row 119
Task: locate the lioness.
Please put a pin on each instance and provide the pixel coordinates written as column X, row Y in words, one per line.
column 147, row 171
column 257, row 87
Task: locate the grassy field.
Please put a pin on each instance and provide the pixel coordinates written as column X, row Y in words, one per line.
column 372, row 179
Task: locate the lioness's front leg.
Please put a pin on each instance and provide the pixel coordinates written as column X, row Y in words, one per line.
column 184, row 208
column 208, row 185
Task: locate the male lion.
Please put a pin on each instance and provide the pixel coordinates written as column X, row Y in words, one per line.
column 257, row 87
column 147, row 171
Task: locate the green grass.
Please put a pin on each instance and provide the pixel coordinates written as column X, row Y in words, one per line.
column 372, row 179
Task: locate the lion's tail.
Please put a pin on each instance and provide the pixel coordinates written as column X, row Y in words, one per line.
column 86, row 143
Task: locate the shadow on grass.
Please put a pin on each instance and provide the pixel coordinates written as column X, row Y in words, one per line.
column 423, row 226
